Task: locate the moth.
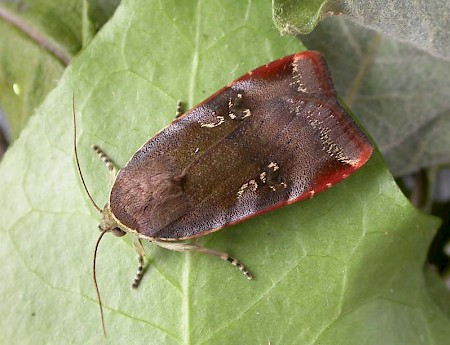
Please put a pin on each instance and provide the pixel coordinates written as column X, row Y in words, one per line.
column 270, row 138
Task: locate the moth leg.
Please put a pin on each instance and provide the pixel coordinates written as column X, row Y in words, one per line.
column 183, row 247
column 140, row 270
column 108, row 162
column 179, row 110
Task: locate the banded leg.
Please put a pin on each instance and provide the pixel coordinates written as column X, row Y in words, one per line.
column 179, row 110
column 140, row 270
column 108, row 162
column 183, row 247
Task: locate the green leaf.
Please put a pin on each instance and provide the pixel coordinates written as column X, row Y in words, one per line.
column 335, row 269
column 423, row 24
column 399, row 93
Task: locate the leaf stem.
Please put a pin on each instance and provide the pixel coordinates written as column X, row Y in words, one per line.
column 35, row 36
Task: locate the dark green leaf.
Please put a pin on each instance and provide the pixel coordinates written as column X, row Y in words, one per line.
column 424, row 23
column 39, row 38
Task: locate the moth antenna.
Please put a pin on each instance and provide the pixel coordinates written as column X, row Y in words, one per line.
column 76, row 155
column 94, row 277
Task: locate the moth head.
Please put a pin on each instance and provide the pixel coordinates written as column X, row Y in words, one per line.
column 109, row 224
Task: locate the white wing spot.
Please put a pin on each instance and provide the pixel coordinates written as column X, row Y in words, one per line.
column 274, row 166
column 251, row 185
column 263, row 176
column 220, row 120
column 246, row 113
